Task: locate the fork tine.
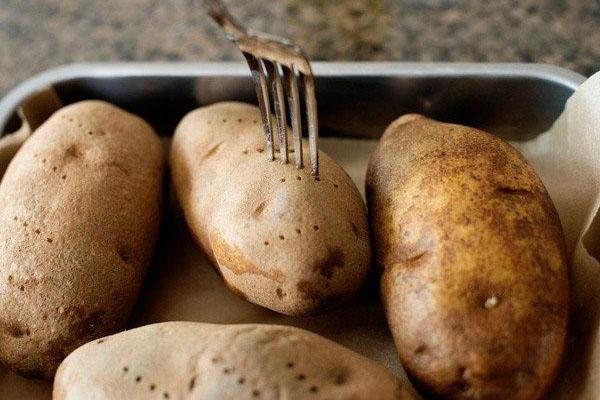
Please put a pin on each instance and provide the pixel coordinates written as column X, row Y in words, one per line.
column 273, row 56
column 291, row 81
column 262, row 94
column 313, row 128
column 279, row 104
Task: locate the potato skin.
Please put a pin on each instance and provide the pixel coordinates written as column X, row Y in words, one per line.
column 472, row 256
column 79, row 216
column 190, row 360
column 280, row 237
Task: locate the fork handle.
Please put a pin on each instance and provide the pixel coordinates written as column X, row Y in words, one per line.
column 219, row 13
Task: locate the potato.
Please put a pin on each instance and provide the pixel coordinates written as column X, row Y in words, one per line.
column 78, row 222
column 472, row 254
column 281, row 238
column 208, row 361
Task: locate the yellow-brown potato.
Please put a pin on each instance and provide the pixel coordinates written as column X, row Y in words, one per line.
column 280, row 237
column 190, row 360
column 471, row 250
column 79, row 217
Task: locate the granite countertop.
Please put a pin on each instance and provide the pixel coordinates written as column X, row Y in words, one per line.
column 39, row 34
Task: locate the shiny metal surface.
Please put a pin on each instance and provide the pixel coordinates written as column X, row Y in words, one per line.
column 514, row 101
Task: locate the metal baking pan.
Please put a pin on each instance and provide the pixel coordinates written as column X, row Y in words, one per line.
column 355, row 100
column 514, row 101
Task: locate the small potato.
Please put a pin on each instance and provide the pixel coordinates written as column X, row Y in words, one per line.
column 472, row 254
column 280, row 237
column 189, row 360
column 79, row 217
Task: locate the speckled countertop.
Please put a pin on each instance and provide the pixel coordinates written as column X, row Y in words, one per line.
column 38, row 34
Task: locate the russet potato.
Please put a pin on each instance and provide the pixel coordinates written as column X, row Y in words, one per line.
column 79, row 216
column 472, row 256
column 280, row 237
column 189, row 360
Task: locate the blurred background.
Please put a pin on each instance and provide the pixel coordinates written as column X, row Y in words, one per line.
column 39, row 34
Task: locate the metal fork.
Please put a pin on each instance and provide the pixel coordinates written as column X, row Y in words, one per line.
column 276, row 64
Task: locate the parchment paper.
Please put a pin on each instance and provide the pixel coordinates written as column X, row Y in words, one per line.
column 182, row 285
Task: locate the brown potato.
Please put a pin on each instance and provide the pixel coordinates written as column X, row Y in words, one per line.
column 79, row 218
column 192, row 360
column 474, row 272
column 281, row 238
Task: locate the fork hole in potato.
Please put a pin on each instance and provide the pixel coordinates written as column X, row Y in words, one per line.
column 280, row 293
column 421, row 349
column 341, row 378
column 123, row 255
